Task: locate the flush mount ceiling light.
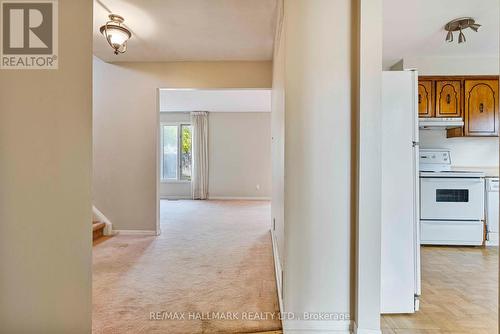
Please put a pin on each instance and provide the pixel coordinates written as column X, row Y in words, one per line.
column 116, row 34
column 459, row 25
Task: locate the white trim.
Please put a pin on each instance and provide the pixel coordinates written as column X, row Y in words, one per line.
column 306, row 326
column 137, row 232
column 168, row 197
column 218, row 198
column 158, row 161
column 216, row 100
column 230, row 198
column 213, row 112
column 174, row 181
column 357, row 330
column 220, row 88
column 277, row 270
column 98, row 215
column 177, row 123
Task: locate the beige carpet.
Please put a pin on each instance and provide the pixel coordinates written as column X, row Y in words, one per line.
column 212, row 265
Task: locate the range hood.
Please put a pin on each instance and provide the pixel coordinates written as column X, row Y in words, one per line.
column 435, row 123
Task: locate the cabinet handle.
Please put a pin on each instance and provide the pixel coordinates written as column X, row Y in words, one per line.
column 419, row 98
column 481, row 107
column 448, row 98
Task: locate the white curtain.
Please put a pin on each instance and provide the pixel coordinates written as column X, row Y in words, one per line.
column 199, row 179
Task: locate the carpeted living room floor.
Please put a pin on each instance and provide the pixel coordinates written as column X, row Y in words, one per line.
column 212, row 258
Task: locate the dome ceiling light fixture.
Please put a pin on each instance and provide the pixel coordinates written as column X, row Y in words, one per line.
column 116, row 34
column 459, row 25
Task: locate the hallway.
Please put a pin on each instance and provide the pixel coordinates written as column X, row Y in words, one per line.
column 212, row 256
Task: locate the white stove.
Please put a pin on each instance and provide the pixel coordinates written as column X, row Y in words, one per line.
column 451, row 201
column 452, row 173
column 437, row 163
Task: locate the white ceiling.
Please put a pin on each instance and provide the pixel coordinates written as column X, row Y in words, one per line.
column 198, row 30
column 190, row 30
column 415, row 28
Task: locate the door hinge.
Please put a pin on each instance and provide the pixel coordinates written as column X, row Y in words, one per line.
column 274, row 224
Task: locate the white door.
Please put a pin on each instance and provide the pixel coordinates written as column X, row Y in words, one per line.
column 398, row 270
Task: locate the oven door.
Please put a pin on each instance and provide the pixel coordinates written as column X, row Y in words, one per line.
column 452, row 198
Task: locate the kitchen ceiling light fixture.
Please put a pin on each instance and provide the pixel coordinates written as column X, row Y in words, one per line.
column 461, row 37
column 449, row 37
column 116, row 34
column 459, row 25
column 475, row 27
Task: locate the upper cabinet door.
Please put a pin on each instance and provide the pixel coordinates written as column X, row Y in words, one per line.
column 481, row 107
column 425, row 98
column 448, row 98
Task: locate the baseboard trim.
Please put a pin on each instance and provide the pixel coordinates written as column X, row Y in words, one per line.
column 230, row 198
column 357, row 330
column 135, row 232
column 311, row 326
column 277, row 270
column 175, row 197
column 218, row 198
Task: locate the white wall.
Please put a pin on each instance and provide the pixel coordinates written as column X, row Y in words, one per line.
column 45, row 187
column 278, row 145
column 323, row 91
column 126, row 128
column 466, row 151
column 368, row 206
column 317, row 83
column 452, row 65
column 239, row 156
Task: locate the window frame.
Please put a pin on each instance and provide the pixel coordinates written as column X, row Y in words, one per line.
column 179, row 150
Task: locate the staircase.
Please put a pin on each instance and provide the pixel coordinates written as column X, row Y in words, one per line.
column 101, row 226
column 97, row 230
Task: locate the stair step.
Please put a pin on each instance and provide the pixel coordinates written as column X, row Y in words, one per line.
column 97, row 230
column 97, row 225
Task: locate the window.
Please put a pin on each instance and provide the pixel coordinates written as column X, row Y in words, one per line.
column 452, row 195
column 176, row 152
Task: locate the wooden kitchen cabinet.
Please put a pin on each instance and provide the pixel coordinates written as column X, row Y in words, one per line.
column 426, row 98
column 473, row 98
column 481, row 108
column 448, row 98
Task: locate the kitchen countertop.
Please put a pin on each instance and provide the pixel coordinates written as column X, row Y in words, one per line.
column 489, row 171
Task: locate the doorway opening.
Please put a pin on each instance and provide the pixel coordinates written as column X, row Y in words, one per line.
column 440, row 195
